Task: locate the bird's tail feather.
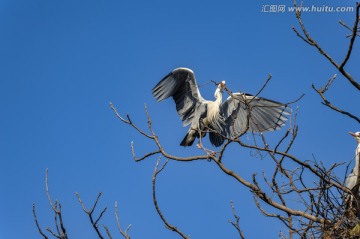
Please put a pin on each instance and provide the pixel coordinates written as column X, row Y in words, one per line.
column 189, row 138
column 187, row 142
column 216, row 139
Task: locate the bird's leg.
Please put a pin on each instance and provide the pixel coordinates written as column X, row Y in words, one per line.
column 201, row 133
column 200, row 145
column 208, row 151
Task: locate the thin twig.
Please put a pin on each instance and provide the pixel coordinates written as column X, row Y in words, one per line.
column 37, row 223
column 90, row 212
column 349, row 28
column 47, row 191
column 167, row 224
column 352, row 38
column 125, row 233
column 327, row 103
column 107, row 231
column 236, row 223
column 308, row 39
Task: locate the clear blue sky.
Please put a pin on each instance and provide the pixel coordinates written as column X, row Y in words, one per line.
column 62, row 62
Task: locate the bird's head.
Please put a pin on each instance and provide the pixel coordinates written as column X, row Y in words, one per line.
column 221, row 85
column 356, row 136
column 219, row 89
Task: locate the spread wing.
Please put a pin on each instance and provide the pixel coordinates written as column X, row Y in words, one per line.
column 216, row 130
column 258, row 114
column 181, row 85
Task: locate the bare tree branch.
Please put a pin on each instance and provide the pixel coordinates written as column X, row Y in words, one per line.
column 37, row 223
column 107, row 231
column 349, row 28
column 48, row 193
column 315, row 208
column 154, row 137
column 167, row 224
column 56, row 208
column 327, row 103
column 90, row 212
column 352, row 38
column 61, row 233
column 125, row 233
column 340, row 67
column 236, row 223
column 313, row 217
column 309, row 40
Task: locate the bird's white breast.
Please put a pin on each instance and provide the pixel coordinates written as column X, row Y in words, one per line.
column 212, row 112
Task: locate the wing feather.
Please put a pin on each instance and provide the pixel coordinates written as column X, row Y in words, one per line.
column 260, row 114
column 180, row 84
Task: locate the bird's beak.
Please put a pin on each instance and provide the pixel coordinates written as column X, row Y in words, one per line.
column 221, row 85
column 352, row 134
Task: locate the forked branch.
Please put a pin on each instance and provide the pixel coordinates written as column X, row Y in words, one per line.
column 90, row 212
column 236, row 223
column 169, row 226
column 305, row 36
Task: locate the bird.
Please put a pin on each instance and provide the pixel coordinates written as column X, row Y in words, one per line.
column 239, row 112
column 351, row 180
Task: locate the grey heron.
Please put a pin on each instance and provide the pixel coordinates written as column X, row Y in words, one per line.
column 351, row 180
column 222, row 120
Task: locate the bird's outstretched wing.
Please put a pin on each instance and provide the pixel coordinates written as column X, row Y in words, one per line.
column 181, row 85
column 242, row 111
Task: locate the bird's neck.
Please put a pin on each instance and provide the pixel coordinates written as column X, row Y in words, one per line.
column 357, row 158
column 218, row 96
